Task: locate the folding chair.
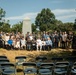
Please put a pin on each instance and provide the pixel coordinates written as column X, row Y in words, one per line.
column 46, row 69
column 29, row 68
column 40, row 59
column 20, row 60
column 71, row 60
column 61, row 68
column 73, row 69
column 3, row 57
column 4, row 61
column 56, row 59
column 8, row 69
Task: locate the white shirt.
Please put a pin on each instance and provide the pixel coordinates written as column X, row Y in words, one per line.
column 23, row 42
column 31, row 37
column 6, row 38
column 39, row 42
column 17, row 44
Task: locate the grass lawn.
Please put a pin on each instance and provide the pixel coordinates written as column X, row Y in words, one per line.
column 31, row 55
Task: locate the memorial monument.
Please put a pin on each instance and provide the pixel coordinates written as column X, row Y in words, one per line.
column 26, row 26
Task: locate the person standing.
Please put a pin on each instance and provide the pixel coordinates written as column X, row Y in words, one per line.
column 64, row 40
column 69, row 40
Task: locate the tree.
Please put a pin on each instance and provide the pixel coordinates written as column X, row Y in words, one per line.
column 44, row 19
column 65, row 27
column 5, row 27
column 33, row 27
column 74, row 27
column 2, row 13
column 58, row 25
column 69, row 26
column 17, row 27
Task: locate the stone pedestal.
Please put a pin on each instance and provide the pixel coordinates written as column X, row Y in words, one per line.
column 26, row 26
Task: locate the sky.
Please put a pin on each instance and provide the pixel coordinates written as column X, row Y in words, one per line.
column 17, row 10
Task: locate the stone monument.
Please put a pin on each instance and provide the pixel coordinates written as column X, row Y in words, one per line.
column 26, row 26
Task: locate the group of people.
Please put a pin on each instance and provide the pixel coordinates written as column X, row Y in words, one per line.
column 36, row 41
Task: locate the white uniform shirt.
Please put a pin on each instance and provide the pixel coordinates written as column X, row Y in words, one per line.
column 39, row 42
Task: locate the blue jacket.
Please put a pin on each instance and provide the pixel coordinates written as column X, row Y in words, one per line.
column 49, row 42
column 10, row 42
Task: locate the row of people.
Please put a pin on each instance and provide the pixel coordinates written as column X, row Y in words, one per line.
column 16, row 42
column 29, row 44
column 61, row 39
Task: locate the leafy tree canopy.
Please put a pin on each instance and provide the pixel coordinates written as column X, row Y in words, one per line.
column 44, row 19
column 2, row 13
column 33, row 27
column 5, row 27
column 17, row 27
column 74, row 25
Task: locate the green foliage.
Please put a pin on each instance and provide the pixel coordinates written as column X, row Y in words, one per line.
column 66, row 27
column 2, row 13
column 44, row 19
column 5, row 27
column 74, row 27
column 1, row 23
column 43, row 27
column 17, row 27
column 33, row 27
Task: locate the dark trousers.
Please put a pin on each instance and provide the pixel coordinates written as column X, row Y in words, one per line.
column 55, row 44
column 43, row 47
column 48, row 47
column 33, row 47
column 64, row 44
column 28, row 46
